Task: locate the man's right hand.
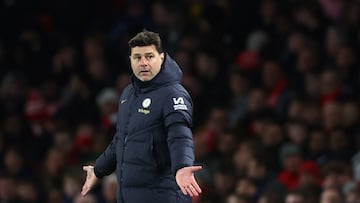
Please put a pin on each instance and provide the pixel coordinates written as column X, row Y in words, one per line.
column 90, row 181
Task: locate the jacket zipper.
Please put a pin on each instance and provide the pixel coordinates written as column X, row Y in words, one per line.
column 123, row 150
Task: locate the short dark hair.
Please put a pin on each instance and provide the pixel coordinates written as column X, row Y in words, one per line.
column 146, row 38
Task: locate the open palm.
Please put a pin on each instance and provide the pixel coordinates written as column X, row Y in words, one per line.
column 90, row 181
column 187, row 182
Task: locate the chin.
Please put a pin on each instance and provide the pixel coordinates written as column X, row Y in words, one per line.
column 145, row 78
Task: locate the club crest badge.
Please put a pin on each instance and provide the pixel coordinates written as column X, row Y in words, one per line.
column 146, row 103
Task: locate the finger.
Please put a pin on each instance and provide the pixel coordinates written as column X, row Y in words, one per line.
column 84, row 191
column 193, row 191
column 86, row 168
column 196, row 168
column 197, row 187
column 188, row 191
column 183, row 190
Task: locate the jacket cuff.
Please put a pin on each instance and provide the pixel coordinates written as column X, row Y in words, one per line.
column 97, row 173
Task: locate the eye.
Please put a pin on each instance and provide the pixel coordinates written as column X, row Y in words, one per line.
column 137, row 58
column 150, row 56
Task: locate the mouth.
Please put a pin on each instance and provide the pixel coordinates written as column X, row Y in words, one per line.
column 144, row 72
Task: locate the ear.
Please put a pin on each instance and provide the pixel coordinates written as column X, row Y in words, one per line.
column 162, row 56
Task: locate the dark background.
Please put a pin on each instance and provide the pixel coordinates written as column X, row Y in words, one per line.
column 274, row 83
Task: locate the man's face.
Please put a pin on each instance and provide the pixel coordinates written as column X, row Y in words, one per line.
column 146, row 62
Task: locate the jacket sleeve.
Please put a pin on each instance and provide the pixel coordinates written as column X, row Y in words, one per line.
column 177, row 112
column 106, row 162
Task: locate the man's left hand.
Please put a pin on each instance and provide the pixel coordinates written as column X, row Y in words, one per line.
column 186, row 180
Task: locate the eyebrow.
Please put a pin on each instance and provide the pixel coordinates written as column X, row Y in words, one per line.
column 146, row 54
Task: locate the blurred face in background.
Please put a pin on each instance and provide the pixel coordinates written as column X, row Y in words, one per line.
column 71, row 186
column 7, row 189
column 294, row 198
column 243, row 156
column 271, row 74
column 312, row 85
column 292, row 163
column 329, row 82
column 332, row 115
column 54, row 162
column 218, row 120
column 344, row 58
column 238, row 84
column 317, row 142
column 257, row 100
column 27, row 192
column 93, row 46
column 350, row 112
column 332, row 41
column 206, row 65
column 330, row 196
column 311, row 113
column 297, row 132
column 306, row 60
column 295, row 109
column 272, row 134
column 227, row 143
column 13, row 161
column 296, row 42
column 110, row 188
column 245, row 187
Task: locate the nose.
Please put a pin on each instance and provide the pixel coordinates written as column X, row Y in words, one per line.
column 143, row 61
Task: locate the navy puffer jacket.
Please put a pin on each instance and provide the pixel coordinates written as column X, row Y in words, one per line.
column 153, row 139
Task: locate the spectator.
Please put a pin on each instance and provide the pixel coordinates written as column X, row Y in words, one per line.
column 108, row 193
column 28, row 192
column 8, row 192
column 297, row 132
column 239, row 86
column 90, row 198
column 234, row 198
column 276, row 84
column 353, row 195
column 317, row 147
column 331, row 195
column 14, row 164
column 295, row 197
column 291, row 158
column 53, row 169
column 71, row 184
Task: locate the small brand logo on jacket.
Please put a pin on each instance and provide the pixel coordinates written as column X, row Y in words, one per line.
column 144, row 111
column 179, row 104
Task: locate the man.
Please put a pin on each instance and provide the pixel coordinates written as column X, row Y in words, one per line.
column 152, row 150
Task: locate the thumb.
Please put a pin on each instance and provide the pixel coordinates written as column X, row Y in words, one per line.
column 196, row 168
column 86, row 168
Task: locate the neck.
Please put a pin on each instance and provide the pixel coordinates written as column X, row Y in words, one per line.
column 141, row 84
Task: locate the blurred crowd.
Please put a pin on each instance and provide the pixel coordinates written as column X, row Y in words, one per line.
column 274, row 83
